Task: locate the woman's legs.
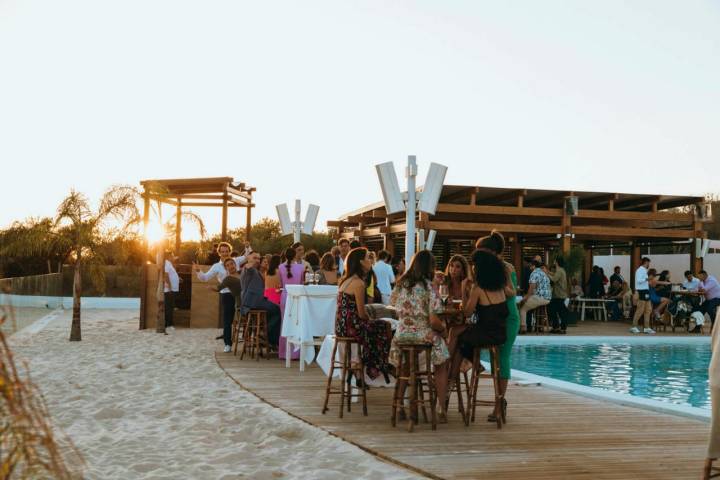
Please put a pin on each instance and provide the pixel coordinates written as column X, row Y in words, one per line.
column 441, row 384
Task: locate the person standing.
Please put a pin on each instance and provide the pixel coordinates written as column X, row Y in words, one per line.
column 539, row 293
column 291, row 273
column 172, row 287
column 557, row 310
column 273, row 285
column 227, row 301
column 343, row 250
column 711, row 289
column 495, row 243
column 300, row 256
column 644, row 305
column 384, row 275
column 328, row 270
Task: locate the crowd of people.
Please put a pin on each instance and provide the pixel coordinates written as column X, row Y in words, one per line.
column 494, row 308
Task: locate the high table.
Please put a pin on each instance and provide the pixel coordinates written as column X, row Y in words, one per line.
column 595, row 304
column 309, row 313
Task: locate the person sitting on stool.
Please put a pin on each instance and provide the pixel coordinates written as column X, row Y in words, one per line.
column 253, row 298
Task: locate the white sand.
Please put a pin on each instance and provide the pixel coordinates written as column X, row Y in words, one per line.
column 142, row 405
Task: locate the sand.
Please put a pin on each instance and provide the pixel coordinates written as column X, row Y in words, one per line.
column 142, row 405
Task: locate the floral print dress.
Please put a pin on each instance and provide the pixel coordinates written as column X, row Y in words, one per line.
column 373, row 335
column 413, row 309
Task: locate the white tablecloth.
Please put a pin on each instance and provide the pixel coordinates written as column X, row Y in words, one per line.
column 309, row 312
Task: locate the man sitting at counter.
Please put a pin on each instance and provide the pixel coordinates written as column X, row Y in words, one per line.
column 253, row 288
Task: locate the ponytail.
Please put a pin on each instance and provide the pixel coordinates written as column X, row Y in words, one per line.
column 289, row 256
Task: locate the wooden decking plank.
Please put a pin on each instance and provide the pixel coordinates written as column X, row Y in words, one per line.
column 549, row 434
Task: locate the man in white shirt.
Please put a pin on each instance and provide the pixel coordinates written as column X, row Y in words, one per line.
column 227, row 300
column 384, row 274
column 172, row 287
column 644, row 305
column 344, row 246
column 691, row 283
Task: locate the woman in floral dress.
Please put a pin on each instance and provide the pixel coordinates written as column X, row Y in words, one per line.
column 352, row 319
column 417, row 306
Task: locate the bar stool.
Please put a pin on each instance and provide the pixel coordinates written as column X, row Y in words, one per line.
column 238, row 330
column 255, row 339
column 417, row 381
column 541, row 319
column 494, row 374
column 710, row 471
column 456, row 387
column 348, row 370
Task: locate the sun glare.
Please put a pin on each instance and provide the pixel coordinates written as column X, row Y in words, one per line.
column 154, row 233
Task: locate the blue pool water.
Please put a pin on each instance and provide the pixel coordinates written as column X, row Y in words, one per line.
column 675, row 373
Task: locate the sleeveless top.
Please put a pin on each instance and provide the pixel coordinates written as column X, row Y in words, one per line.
column 489, row 329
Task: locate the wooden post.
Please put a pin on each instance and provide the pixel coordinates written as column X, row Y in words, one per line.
column 696, row 263
column 248, row 222
column 516, row 249
column 223, row 235
column 388, row 243
column 634, row 263
column 160, row 292
column 588, row 264
column 566, row 238
column 143, row 274
column 178, row 225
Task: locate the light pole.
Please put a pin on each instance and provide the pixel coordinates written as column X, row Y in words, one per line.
column 297, row 227
column 425, row 201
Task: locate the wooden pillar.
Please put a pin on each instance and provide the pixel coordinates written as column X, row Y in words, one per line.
column 696, row 263
column 248, row 222
column 223, row 235
column 516, row 250
column 388, row 243
column 143, row 272
column 566, row 238
column 634, row 262
column 588, row 264
column 178, row 225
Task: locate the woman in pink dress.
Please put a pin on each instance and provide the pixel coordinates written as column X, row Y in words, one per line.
column 291, row 273
column 273, row 286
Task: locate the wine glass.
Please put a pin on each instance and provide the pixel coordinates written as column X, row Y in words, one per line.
column 444, row 294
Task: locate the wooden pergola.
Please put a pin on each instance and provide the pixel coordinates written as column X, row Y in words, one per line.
column 534, row 218
column 218, row 192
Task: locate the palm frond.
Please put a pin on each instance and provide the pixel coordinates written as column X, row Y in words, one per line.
column 120, row 202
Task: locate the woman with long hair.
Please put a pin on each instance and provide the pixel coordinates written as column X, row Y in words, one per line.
column 417, row 305
column 273, row 285
column 488, row 303
column 353, row 321
column 495, row 243
column 458, row 277
column 291, row 273
column 300, row 255
column 328, row 270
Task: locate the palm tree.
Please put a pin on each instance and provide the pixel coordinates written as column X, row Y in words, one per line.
column 117, row 202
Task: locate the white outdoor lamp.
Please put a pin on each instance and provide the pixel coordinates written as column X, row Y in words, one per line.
column 297, row 227
column 395, row 201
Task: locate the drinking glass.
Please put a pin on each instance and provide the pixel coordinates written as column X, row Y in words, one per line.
column 444, row 294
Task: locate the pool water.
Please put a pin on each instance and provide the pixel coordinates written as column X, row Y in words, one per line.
column 675, row 373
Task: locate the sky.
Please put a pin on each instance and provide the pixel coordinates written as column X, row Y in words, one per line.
column 302, row 99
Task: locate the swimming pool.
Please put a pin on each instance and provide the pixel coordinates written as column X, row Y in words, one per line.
column 671, row 370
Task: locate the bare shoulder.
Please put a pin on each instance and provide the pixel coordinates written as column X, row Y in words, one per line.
column 509, row 266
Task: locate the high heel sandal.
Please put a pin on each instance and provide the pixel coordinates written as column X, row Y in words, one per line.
column 492, row 418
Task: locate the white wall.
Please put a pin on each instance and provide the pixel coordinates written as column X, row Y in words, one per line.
column 677, row 263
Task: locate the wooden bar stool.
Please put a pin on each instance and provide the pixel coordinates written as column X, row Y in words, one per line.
column 348, row 369
column 417, row 380
column 255, row 338
column 710, row 471
column 494, row 374
column 456, row 387
column 541, row 319
column 238, row 330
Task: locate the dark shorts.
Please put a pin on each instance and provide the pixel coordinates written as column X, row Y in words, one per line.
column 643, row 295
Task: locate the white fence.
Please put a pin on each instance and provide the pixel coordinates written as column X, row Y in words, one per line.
column 677, row 263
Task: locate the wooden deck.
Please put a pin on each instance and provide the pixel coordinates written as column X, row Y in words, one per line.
column 549, row 434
